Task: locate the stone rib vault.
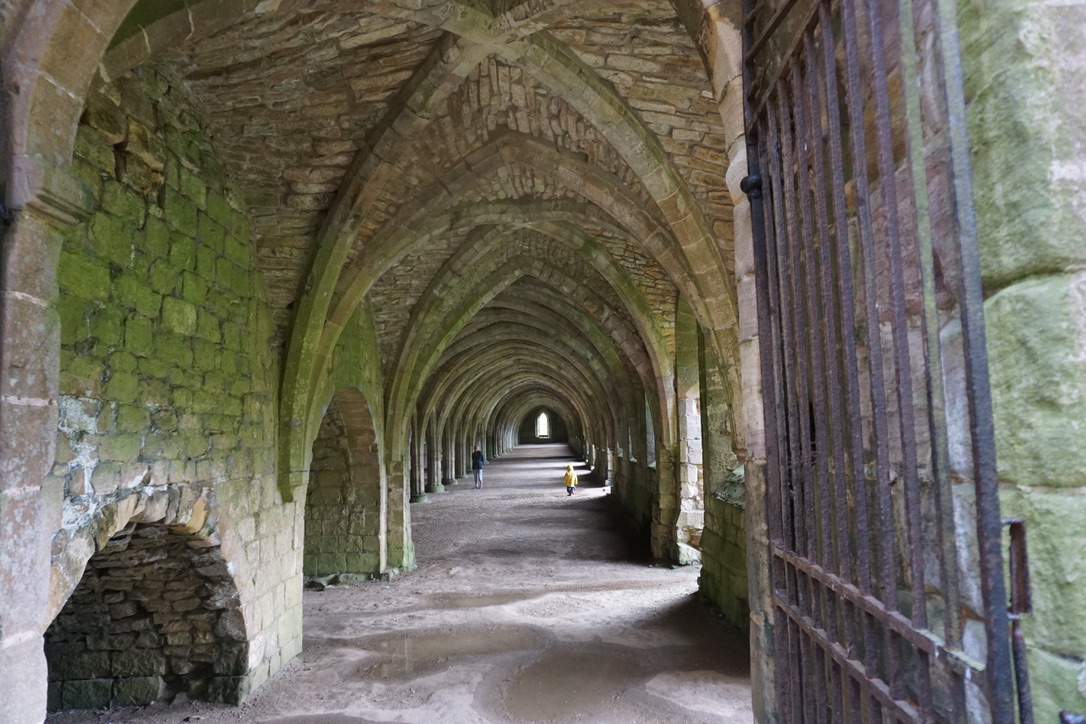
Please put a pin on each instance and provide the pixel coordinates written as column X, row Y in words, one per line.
column 272, row 268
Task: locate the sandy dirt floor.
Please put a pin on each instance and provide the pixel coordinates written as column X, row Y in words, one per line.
column 526, row 606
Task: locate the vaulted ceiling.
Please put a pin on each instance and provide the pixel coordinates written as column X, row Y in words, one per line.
column 528, row 170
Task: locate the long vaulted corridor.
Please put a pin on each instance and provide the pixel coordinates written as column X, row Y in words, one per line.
column 800, row 282
column 528, row 606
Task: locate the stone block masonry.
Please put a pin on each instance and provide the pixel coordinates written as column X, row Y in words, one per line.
column 342, row 511
column 1023, row 66
column 152, row 616
column 167, row 398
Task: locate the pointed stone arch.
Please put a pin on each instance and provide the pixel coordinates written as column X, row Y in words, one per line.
column 346, row 495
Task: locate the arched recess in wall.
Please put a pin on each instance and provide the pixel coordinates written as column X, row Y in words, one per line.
column 156, row 614
column 344, row 504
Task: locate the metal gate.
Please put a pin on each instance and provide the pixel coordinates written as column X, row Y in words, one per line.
column 889, row 598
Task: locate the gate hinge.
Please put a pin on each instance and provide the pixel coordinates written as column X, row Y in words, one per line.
column 752, row 186
column 1020, row 603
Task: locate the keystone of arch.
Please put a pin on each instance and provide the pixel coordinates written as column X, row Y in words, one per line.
column 513, row 321
column 466, row 406
column 516, row 406
column 516, row 410
column 537, row 302
column 565, row 75
column 583, row 331
column 662, row 404
column 577, row 326
column 564, row 382
column 509, row 408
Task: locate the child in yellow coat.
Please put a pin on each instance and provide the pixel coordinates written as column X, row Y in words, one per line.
column 570, row 480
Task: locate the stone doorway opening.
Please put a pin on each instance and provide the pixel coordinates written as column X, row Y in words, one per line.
column 155, row 616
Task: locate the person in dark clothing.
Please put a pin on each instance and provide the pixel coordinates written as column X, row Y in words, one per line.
column 478, row 460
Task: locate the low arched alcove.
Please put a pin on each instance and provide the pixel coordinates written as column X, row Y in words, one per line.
column 156, row 614
column 543, row 425
column 344, row 496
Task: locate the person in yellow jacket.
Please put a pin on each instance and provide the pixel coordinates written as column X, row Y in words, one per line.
column 570, row 480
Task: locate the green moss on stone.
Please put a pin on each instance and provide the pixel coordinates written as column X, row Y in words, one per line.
column 87, row 693
column 1057, row 684
column 132, row 291
column 132, row 418
column 107, row 326
column 178, row 316
column 194, row 288
column 139, row 336
column 83, row 277
column 1021, row 129
column 112, row 239
column 122, row 387
column 137, row 691
column 123, row 203
column 181, row 213
column 1038, row 379
column 156, row 238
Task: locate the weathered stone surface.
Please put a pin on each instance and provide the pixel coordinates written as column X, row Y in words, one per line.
column 467, row 222
column 1026, row 120
column 86, row 693
column 1037, row 349
column 137, row 691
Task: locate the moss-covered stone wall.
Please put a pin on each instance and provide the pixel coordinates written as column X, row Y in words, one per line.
column 723, row 541
column 1024, row 80
column 345, row 501
column 329, row 493
column 723, row 576
column 167, row 377
column 635, row 488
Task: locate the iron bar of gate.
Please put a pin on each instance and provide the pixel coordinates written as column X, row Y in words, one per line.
column 894, row 620
column 817, row 505
column 829, row 443
column 891, row 666
column 940, row 456
column 793, row 390
column 841, row 280
column 976, row 368
column 879, row 691
column 813, row 323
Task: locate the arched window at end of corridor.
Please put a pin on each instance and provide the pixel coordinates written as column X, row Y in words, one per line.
column 543, row 426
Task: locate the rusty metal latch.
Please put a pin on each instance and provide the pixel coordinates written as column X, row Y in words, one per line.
column 1020, row 603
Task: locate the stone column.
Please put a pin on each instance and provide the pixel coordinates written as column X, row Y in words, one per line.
column 689, row 482
column 30, row 513
column 463, row 453
column 448, row 457
column 418, row 494
column 433, row 458
column 401, row 551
